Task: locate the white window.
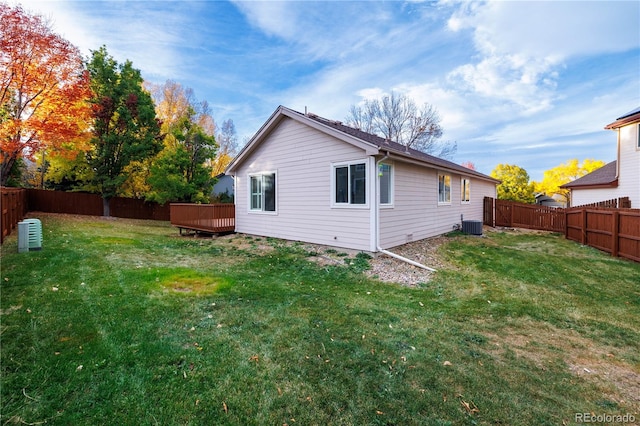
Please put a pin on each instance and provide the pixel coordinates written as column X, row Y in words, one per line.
column 350, row 183
column 638, row 136
column 385, row 178
column 262, row 192
column 444, row 188
column 465, row 190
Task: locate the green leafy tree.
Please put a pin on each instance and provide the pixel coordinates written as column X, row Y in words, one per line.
column 69, row 173
column 125, row 126
column 515, row 184
column 565, row 173
column 180, row 172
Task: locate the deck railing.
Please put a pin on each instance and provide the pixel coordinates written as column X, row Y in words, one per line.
column 214, row 218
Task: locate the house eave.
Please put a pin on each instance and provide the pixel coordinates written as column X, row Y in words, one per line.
column 613, row 184
column 624, row 121
column 419, row 162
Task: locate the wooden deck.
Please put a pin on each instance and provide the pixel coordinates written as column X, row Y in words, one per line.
column 210, row 218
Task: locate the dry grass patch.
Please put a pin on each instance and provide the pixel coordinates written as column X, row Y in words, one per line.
column 544, row 345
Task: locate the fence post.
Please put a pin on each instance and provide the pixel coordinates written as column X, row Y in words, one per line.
column 614, row 234
column 511, row 209
column 584, row 227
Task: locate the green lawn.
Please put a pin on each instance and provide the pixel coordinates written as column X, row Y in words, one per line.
column 125, row 322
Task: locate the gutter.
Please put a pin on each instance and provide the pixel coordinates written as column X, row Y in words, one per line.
column 377, row 204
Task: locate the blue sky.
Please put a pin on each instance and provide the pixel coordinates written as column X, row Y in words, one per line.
column 530, row 83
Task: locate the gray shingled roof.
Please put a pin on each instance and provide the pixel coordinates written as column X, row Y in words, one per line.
column 396, row 148
column 605, row 175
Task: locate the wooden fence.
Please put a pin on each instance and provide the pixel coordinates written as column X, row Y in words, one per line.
column 531, row 216
column 615, row 231
column 615, row 203
column 91, row 204
column 213, row 218
column 13, row 208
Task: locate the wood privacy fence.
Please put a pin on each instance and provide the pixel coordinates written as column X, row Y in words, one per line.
column 91, row 204
column 613, row 230
column 16, row 202
column 616, row 203
column 213, row 218
column 519, row 215
column 13, row 208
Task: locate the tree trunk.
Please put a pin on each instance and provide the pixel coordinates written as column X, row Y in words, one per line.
column 106, row 210
column 5, row 168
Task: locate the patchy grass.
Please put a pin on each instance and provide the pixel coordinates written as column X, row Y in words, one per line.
column 125, row 322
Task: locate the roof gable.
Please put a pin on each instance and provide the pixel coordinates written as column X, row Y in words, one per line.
column 282, row 113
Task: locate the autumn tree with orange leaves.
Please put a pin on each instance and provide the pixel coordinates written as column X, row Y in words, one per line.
column 43, row 90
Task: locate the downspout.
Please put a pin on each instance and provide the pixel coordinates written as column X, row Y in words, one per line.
column 618, row 156
column 377, row 205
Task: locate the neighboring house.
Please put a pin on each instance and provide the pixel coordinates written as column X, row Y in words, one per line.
column 306, row 178
column 223, row 185
column 620, row 178
column 545, row 200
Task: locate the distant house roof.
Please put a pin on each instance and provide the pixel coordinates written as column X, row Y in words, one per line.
column 603, row 177
column 628, row 118
column 375, row 144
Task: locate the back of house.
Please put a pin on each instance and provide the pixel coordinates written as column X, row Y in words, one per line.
column 306, row 178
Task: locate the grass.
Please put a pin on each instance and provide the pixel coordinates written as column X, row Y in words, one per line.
column 125, row 322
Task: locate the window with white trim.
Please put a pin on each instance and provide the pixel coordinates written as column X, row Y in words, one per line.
column 444, row 188
column 638, row 137
column 350, row 183
column 465, row 190
column 262, row 192
column 385, row 179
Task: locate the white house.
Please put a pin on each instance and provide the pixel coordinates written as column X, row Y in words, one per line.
column 305, row 178
column 619, row 178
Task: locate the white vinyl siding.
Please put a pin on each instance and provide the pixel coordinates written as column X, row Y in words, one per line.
column 303, row 158
column 629, row 158
column 416, row 214
column 628, row 173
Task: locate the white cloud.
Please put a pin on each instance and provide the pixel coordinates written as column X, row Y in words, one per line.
column 522, row 45
column 149, row 37
column 276, row 18
column 550, row 28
